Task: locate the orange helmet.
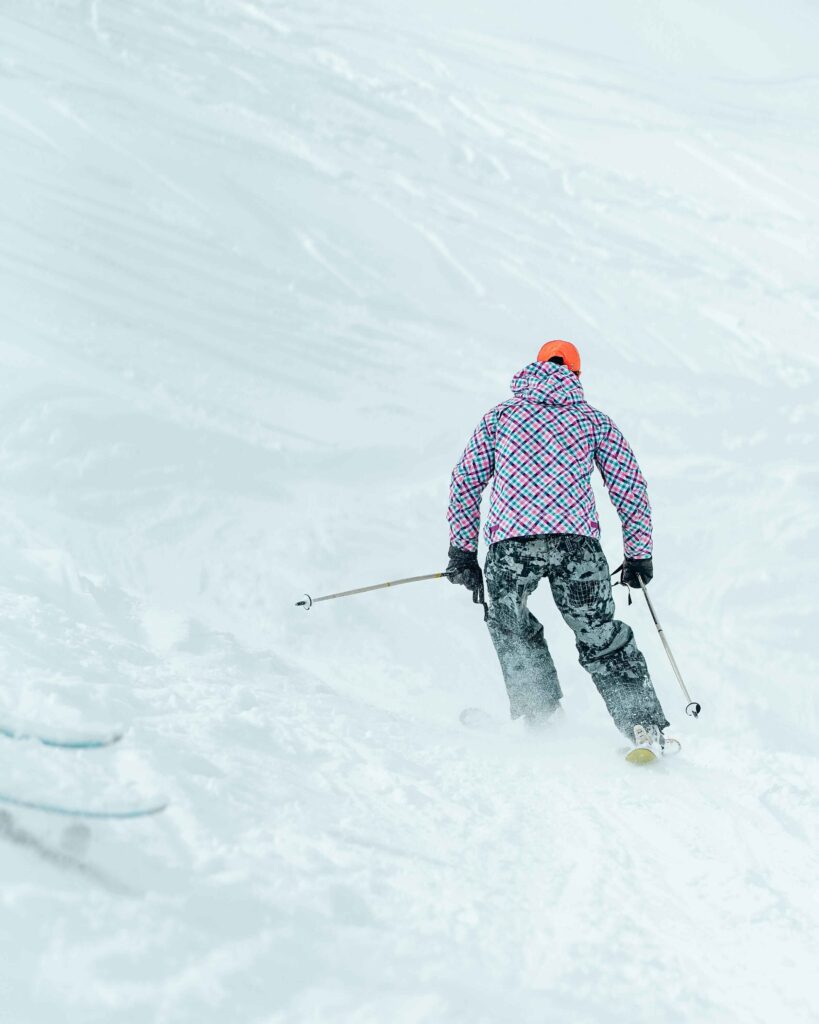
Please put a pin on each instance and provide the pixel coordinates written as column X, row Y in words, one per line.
column 564, row 350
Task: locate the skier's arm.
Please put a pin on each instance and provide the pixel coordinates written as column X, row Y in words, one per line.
column 626, row 487
column 469, row 477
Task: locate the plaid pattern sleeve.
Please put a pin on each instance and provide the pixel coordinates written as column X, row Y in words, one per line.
column 626, row 487
column 469, row 477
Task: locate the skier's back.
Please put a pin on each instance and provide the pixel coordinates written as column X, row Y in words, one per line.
column 540, row 448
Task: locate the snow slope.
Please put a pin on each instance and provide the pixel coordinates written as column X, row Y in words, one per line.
column 262, row 268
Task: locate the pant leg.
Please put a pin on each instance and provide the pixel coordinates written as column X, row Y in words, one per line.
column 581, row 586
column 513, row 571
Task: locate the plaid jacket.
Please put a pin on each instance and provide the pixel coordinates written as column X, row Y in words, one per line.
column 541, row 447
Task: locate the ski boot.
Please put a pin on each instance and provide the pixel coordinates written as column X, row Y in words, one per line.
column 650, row 744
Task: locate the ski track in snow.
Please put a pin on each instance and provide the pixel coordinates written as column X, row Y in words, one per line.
column 263, row 267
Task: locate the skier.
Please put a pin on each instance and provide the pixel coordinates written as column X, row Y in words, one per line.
column 540, row 448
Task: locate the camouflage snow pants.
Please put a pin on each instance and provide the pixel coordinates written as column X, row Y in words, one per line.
column 578, row 575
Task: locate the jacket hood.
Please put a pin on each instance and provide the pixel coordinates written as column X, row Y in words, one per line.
column 549, row 383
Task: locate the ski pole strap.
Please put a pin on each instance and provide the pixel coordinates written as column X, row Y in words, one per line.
column 309, row 601
column 620, row 583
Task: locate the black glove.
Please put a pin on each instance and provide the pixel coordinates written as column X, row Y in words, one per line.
column 634, row 568
column 463, row 568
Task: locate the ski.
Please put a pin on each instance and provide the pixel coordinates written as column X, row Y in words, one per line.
column 135, row 811
column 641, row 755
column 68, row 739
column 645, row 754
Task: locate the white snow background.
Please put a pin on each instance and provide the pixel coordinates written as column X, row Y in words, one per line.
column 263, row 266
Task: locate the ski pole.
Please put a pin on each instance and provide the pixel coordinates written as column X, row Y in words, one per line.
column 692, row 707
column 308, row 604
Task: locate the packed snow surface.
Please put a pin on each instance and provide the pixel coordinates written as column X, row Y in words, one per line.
column 263, row 266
